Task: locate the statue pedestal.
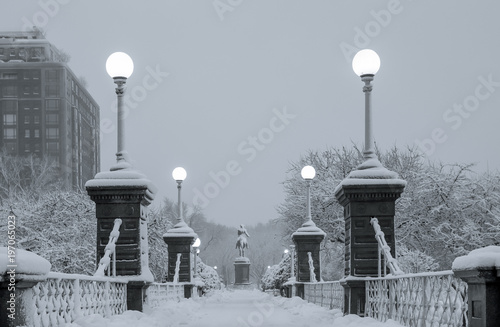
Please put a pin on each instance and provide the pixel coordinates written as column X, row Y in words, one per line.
column 241, row 271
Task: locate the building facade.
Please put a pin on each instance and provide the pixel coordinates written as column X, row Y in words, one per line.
column 45, row 109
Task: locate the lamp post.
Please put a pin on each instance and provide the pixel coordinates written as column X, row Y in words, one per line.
column 292, row 264
column 368, row 191
column 196, row 250
column 308, row 173
column 120, row 66
column 366, row 64
column 308, row 237
column 180, row 238
column 179, row 174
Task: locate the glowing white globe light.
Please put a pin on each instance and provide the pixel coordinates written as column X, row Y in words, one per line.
column 366, row 62
column 179, row 174
column 286, row 251
column 197, row 243
column 119, row 64
column 308, row 172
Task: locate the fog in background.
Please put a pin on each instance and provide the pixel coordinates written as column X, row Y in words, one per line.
column 235, row 90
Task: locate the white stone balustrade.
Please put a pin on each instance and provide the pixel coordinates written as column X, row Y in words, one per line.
column 62, row 298
column 326, row 294
column 434, row 299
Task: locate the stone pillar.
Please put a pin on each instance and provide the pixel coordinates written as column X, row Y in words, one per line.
column 179, row 244
column 124, row 193
column 17, row 298
column 481, row 271
column 241, row 271
column 308, row 238
column 180, row 240
column 370, row 191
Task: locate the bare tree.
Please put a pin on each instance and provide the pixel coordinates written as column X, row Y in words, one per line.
column 27, row 176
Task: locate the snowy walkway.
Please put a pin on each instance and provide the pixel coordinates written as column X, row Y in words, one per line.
column 234, row 309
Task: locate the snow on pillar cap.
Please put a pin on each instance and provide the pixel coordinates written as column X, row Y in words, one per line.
column 487, row 257
column 28, row 263
column 122, row 178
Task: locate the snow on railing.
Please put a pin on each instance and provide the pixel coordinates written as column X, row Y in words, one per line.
column 325, row 294
column 384, row 248
column 64, row 297
column 177, row 267
column 158, row 294
column 110, row 251
column 312, row 275
column 420, row 300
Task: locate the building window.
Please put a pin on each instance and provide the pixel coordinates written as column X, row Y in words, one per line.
column 36, row 74
column 9, row 119
column 51, row 76
column 10, row 106
column 26, row 90
column 22, row 52
column 52, row 104
column 36, row 133
column 9, row 91
column 9, row 133
column 1, row 51
column 52, row 147
column 27, row 74
column 52, row 133
column 52, row 90
column 52, row 119
column 27, row 147
column 26, row 119
column 36, row 90
column 27, row 133
column 12, row 52
column 9, row 76
column 36, row 119
column 36, row 147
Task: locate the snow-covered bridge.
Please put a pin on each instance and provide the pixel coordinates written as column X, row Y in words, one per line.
column 234, row 308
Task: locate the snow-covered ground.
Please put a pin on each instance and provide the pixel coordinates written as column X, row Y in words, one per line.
column 234, row 309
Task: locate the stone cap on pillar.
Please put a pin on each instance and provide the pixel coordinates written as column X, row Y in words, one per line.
column 370, row 174
column 483, row 258
column 181, row 229
column 26, row 262
column 309, row 228
column 123, row 177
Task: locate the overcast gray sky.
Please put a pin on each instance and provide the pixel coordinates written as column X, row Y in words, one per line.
column 244, row 87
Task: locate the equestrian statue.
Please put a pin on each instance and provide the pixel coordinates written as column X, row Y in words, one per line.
column 242, row 243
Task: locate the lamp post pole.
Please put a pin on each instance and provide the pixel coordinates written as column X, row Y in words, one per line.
column 369, row 152
column 179, row 202
column 292, row 250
